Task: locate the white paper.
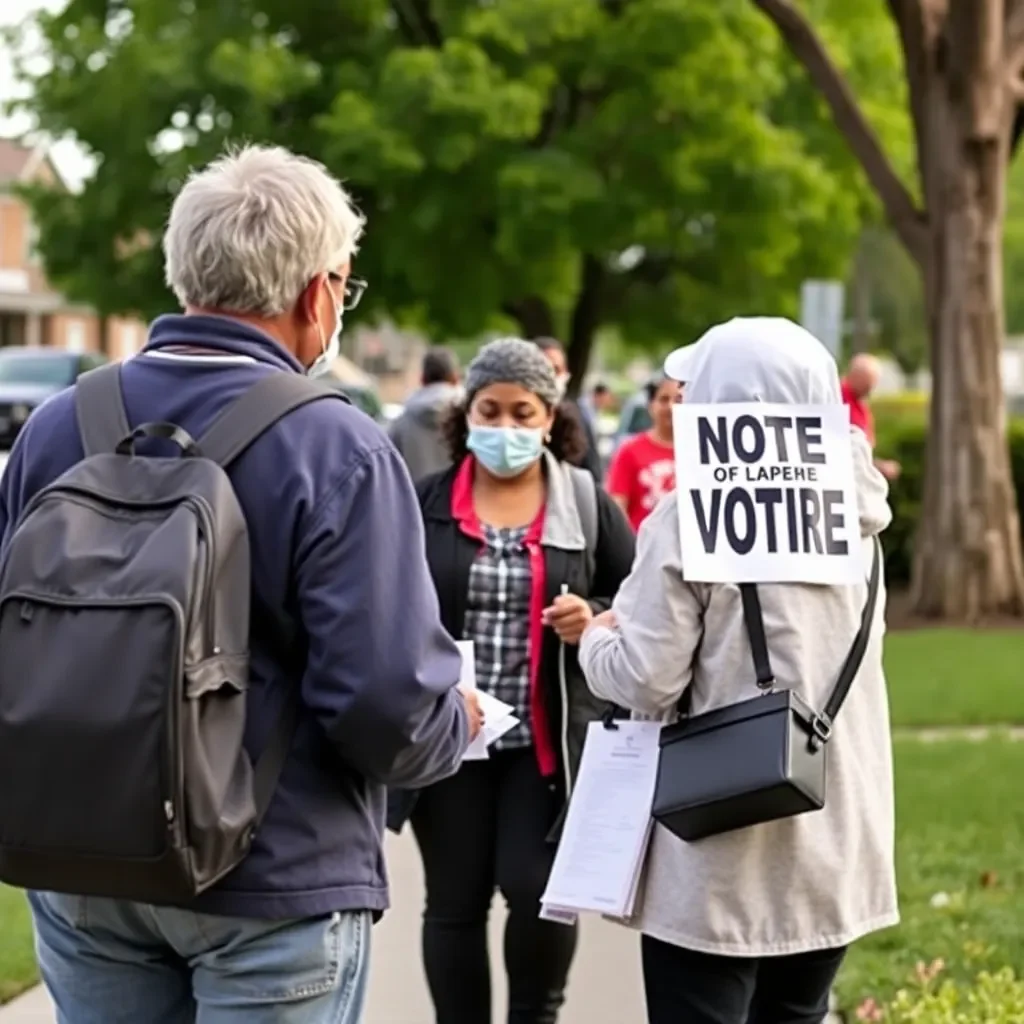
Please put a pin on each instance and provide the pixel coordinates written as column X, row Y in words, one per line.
column 558, row 914
column 498, row 716
column 767, row 494
column 467, row 677
column 498, row 720
column 608, row 825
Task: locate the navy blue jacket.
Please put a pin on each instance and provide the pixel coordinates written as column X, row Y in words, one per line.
column 337, row 543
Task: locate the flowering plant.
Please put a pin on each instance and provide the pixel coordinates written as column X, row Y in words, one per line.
column 993, row 998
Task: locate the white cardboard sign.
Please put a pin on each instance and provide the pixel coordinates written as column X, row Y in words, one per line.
column 766, row 494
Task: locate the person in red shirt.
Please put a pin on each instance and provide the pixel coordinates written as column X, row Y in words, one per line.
column 861, row 379
column 643, row 470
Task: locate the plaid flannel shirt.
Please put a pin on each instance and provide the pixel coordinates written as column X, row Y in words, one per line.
column 498, row 623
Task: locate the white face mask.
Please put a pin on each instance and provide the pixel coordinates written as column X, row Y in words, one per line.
column 562, row 383
column 331, row 347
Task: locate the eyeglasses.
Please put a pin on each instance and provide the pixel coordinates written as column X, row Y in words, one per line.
column 355, row 289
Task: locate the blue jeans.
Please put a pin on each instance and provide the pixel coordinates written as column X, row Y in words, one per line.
column 113, row 962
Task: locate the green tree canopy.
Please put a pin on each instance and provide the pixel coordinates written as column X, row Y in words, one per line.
column 651, row 165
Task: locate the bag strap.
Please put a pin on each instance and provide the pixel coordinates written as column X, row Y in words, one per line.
column 585, row 491
column 754, row 621
column 232, row 433
column 103, row 424
column 824, row 721
column 103, row 421
column 99, row 410
column 257, row 410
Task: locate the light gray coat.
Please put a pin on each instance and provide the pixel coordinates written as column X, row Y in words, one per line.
column 816, row 881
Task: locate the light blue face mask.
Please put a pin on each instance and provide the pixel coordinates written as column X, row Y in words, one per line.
column 331, row 348
column 506, row 451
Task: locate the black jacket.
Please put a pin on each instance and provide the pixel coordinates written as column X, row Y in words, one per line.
column 450, row 553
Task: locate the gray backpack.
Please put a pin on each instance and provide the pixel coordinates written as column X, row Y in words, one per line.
column 124, row 660
column 585, row 490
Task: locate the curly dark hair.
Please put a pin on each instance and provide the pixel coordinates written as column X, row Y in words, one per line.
column 568, row 438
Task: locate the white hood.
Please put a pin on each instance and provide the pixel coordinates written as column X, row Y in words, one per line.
column 771, row 359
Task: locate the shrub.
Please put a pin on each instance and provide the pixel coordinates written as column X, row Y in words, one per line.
column 904, row 403
column 902, row 434
column 992, row 999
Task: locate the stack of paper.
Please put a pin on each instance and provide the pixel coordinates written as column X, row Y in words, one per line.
column 499, row 717
column 498, row 720
column 601, row 854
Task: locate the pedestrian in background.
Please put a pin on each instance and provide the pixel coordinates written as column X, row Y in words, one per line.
column 416, row 433
column 599, row 401
column 258, row 251
column 862, row 376
column 524, row 549
column 643, row 470
column 589, row 458
column 751, row 926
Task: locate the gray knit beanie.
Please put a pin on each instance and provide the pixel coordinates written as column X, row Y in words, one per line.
column 512, row 361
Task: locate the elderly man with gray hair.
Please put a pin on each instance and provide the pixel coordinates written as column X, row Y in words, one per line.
column 258, row 251
column 862, row 376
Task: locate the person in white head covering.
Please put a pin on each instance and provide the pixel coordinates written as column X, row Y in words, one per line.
column 750, row 927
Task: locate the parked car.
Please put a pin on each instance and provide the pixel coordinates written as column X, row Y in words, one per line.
column 28, row 376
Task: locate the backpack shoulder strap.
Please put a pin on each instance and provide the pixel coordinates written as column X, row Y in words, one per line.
column 99, row 409
column 585, row 490
column 257, row 410
column 245, row 420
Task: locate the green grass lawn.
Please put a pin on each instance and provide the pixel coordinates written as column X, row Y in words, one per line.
column 950, row 677
column 17, row 963
column 960, row 832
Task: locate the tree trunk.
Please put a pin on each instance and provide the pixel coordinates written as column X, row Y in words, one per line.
column 967, row 561
column 586, row 318
column 534, row 316
column 104, row 335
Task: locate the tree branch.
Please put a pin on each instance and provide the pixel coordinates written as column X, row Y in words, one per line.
column 431, row 29
column 585, row 319
column 405, row 25
column 1015, row 32
column 986, row 65
column 533, row 315
column 908, row 221
column 914, row 30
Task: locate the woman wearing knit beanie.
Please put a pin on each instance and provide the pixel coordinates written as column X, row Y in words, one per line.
column 524, row 549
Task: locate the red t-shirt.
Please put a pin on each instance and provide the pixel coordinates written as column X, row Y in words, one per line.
column 642, row 472
column 860, row 413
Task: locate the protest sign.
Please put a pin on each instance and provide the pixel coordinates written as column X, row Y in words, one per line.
column 766, row 494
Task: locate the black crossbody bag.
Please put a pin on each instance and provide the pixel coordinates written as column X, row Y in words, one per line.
column 761, row 759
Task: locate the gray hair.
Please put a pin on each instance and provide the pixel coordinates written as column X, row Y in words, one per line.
column 251, row 230
column 513, row 361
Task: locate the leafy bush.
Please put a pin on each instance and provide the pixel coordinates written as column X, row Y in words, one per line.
column 992, row 999
column 905, row 403
column 902, row 434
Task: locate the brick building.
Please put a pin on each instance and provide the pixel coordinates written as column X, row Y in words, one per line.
column 31, row 311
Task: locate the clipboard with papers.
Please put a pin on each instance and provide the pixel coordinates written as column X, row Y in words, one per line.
column 607, row 829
